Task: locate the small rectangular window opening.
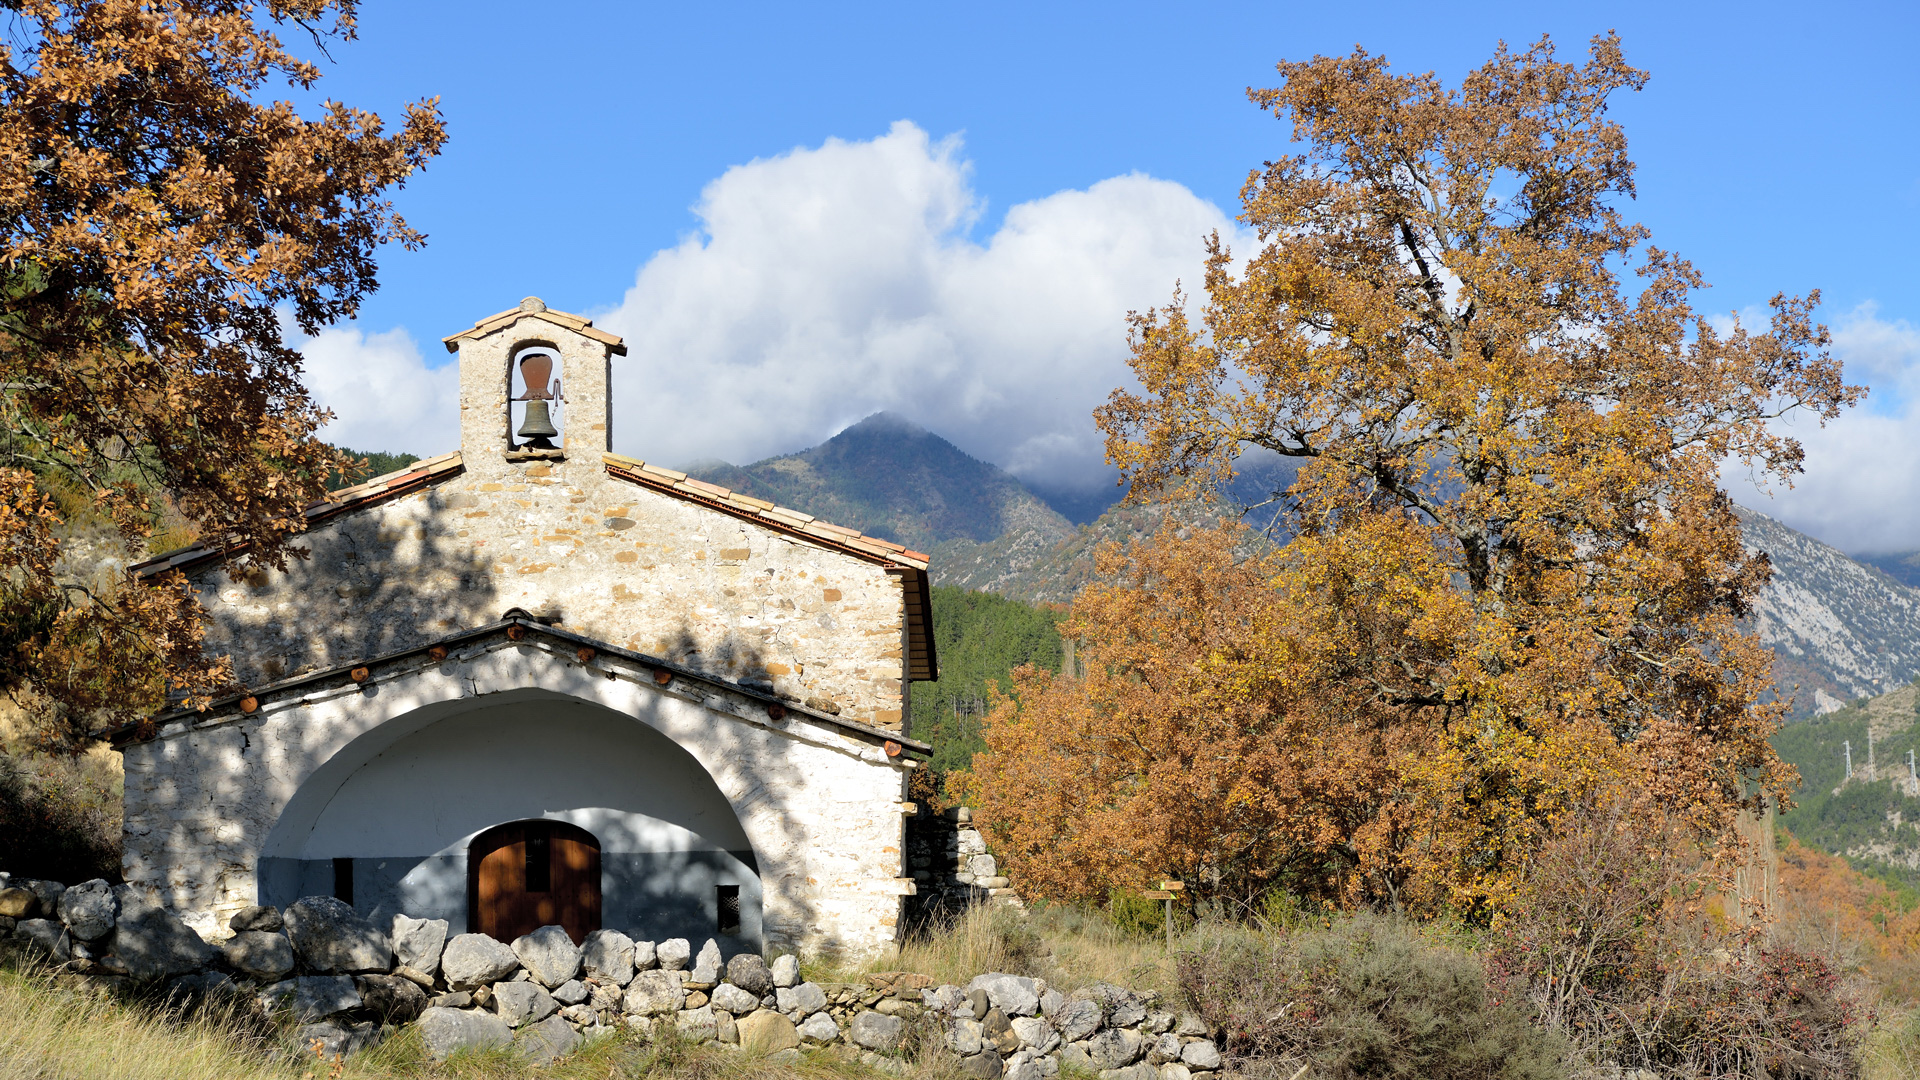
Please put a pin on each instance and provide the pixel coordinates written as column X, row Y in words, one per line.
column 539, row 864
column 343, row 880
column 729, row 908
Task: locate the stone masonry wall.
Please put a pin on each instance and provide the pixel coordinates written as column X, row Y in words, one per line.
column 614, row 560
column 350, row 983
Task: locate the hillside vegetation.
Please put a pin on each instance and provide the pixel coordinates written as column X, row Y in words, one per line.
column 981, row 638
column 1872, row 818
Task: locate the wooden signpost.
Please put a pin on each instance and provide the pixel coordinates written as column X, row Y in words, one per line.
column 1165, row 892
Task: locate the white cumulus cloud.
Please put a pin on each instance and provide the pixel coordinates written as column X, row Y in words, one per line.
column 1861, row 488
column 383, row 395
column 833, row 282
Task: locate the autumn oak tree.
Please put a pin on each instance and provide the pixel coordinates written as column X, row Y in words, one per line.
column 1513, row 587
column 161, row 215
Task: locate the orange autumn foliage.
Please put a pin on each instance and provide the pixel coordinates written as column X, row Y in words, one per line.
column 163, row 216
column 1514, row 586
column 1827, row 906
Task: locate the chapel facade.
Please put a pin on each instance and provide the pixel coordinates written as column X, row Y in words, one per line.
column 533, row 681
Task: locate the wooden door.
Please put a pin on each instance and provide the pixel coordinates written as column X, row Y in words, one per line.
column 528, row 874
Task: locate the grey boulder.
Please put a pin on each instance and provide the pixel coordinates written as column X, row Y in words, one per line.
column 786, row 970
column 1162, row 1049
column 332, row 938
column 803, row 1000
column 608, row 956
column 1200, row 1054
column 89, row 909
column 337, row 1039
column 654, row 993
column 549, row 955
column 706, row 967
column 547, row 1041
column 519, row 1003
column 471, row 961
column 44, row 936
column 645, row 955
column 150, row 942
column 1113, row 1048
column 698, row 1024
column 47, row 892
column 819, row 1028
column 256, row 917
column 1014, row 995
column 982, row 1066
column 316, row 997
column 877, row 1031
column 748, row 971
column 447, row 1031
column 200, row 986
column 1077, row 1019
column 417, row 943
column 391, row 998
column 674, row 954
column 735, row 1000
column 258, row 954
column 571, row 992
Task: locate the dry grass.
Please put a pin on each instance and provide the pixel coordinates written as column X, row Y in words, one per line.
column 49, row 1031
column 53, row 1032
column 1067, row 947
column 1893, row 1050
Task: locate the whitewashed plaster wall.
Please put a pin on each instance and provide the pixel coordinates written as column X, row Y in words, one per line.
column 821, row 808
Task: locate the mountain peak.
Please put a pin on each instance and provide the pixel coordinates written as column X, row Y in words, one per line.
column 888, row 476
column 886, row 423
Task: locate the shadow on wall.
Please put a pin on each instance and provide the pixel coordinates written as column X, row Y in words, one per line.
column 387, row 821
column 375, row 583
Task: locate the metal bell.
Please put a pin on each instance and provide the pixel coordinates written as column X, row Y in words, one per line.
column 538, row 426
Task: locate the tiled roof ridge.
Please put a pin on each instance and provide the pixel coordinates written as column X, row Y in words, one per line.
column 336, row 502
column 780, row 517
column 579, row 324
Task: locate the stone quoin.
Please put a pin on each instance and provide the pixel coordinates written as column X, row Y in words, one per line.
column 533, row 682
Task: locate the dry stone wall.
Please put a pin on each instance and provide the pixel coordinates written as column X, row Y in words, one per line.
column 350, row 983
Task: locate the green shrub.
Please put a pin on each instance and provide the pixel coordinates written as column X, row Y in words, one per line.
column 1366, row 997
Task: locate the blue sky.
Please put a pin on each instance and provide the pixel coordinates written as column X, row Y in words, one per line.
column 611, row 157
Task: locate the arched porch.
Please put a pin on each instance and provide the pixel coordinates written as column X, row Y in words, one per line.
column 389, row 818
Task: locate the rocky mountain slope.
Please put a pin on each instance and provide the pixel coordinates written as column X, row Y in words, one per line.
column 1841, row 629
column 891, row 478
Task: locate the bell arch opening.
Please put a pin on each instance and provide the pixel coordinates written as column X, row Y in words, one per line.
column 534, row 404
column 408, row 805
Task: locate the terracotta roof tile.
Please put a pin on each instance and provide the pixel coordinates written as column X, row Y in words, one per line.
column 674, row 481
column 577, row 323
column 336, row 501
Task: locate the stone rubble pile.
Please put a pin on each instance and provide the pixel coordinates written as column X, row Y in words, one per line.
column 950, row 864
column 350, row 983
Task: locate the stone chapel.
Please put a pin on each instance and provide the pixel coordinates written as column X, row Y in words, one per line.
column 533, row 681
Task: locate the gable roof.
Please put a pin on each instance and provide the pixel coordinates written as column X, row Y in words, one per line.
column 579, row 324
